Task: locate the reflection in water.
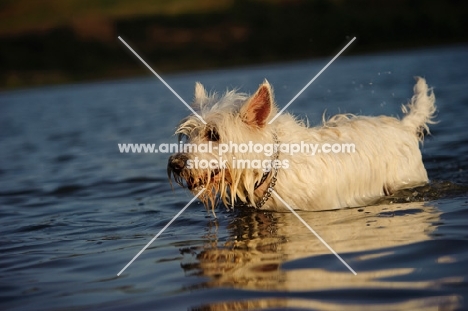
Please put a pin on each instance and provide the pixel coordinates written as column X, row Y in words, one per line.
column 274, row 252
column 428, row 304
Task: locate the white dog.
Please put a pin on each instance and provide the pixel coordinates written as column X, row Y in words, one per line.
column 384, row 157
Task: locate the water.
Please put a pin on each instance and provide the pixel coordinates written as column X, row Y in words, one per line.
column 74, row 211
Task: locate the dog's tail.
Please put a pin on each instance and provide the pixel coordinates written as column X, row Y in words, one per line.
column 421, row 109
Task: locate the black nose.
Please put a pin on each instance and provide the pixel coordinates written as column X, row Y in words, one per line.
column 177, row 162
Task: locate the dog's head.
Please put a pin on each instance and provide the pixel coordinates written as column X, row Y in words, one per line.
column 220, row 155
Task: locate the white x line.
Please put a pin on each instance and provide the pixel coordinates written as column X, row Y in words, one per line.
column 162, row 80
column 162, row 230
column 199, row 193
column 313, row 231
column 310, row 82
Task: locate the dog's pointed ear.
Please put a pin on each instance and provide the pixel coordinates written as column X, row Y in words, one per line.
column 200, row 92
column 200, row 96
column 257, row 109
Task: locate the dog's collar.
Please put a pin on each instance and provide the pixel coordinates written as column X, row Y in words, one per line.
column 273, row 179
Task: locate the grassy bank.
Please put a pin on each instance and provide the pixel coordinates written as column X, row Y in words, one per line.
column 66, row 41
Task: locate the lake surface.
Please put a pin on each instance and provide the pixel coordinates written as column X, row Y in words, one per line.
column 74, row 210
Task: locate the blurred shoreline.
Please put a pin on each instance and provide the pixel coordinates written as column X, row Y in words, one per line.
column 53, row 43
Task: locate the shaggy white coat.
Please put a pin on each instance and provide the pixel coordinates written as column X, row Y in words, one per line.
column 386, row 158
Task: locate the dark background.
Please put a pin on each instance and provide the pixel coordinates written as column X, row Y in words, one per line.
column 51, row 41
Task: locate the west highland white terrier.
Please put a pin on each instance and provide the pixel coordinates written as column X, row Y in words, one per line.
column 348, row 161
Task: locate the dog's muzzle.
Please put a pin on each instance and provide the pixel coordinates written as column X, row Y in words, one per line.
column 177, row 162
column 175, row 166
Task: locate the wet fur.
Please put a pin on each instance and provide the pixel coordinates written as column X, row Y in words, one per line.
column 387, row 156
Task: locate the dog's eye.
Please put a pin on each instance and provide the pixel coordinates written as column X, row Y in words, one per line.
column 212, row 134
column 182, row 138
